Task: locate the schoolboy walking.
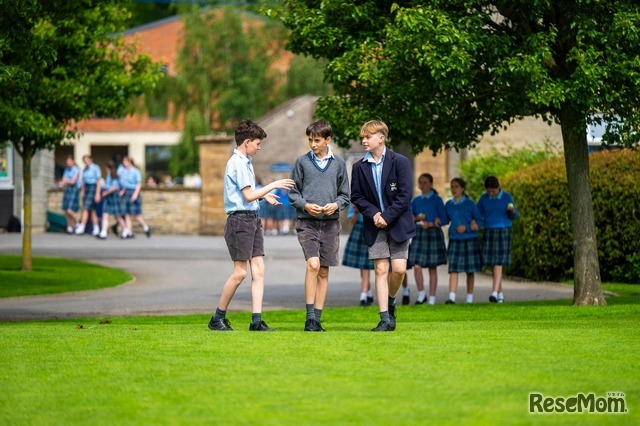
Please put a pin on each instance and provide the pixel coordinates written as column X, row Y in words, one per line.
column 243, row 230
column 70, row 184
column 321, row 191
column 427, row 248
column 381, row 189
column 464, row 249
column 498, row 211
column 91, row 174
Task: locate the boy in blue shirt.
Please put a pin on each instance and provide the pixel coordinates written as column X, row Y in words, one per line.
column 243, row 230
column 499, row 211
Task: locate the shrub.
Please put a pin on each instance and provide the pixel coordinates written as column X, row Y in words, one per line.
column 542, row 238
column 502, row 164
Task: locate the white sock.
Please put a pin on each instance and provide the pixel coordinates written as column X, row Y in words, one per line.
column 501, row 296
column 146, row 228
column 421, row 295
column 95, row 232
column 103, row 234
column 494, row 294
column 470, row 298
column 370, row 293
column 405, row 291
column 452, row 297
column 363, row 296
column 69, row 229
column 80, row 229
column 432, row 300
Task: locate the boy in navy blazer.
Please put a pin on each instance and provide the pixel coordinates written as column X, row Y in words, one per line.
column 382, row 189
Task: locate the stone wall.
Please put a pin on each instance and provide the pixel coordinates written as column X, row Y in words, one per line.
column 166, row 210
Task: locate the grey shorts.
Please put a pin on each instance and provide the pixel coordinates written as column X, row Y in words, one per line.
column 319, row 238
column 243, row 235
column 385, row 248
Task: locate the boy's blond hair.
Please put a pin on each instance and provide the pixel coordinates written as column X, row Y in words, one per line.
column 372, row 127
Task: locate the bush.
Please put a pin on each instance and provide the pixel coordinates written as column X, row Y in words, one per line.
column 542, row 238
column 501, row 164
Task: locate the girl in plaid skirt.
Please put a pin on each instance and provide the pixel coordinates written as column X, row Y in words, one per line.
column 356, row 255
column 464, row 250
column 70, row 184
column 498, row 211
column 109, row 189
column 427, row 249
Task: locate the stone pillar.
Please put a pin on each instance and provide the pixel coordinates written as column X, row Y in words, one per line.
column 215, row 151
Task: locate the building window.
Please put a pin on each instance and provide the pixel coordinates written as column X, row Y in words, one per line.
column 157, row 160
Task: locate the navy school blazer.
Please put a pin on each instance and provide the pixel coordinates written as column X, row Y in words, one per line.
column 397, row 192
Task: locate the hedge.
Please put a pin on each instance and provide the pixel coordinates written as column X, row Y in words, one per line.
column 542, row 238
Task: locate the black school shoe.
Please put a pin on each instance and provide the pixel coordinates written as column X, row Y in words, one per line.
column 259, row 326
column 383, row 326
column 220, row 325
column 369, row 300
column 313, row 325
column 406, row 300
column 114, row 229
column 148, row 232
column 493, row 299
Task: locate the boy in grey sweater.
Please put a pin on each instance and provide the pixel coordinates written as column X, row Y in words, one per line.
column 321, row 191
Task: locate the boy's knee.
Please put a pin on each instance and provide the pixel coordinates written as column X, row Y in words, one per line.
column 240, row 274
column 313, row 264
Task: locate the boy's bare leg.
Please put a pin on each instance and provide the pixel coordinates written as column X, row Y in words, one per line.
column 322, row 287
column 382, row 283
column 398, row 275
column 233, row 282
column 257, row 283
column 311, row 280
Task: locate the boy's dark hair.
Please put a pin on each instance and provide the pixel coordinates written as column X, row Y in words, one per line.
column 319, row 128
column 491, row 182
column 247, row 129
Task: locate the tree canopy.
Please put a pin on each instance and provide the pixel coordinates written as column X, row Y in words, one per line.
column 442, row 73
column 62, row 62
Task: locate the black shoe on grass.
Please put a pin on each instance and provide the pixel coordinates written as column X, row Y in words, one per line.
column 383, row 326
column 220, row 325
column 312, row 325
column 260, row 326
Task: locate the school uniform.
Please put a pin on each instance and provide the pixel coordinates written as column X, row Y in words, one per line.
column 463, row 253
column 130, row 178
column 71, row 193
column 393, row 198
column 243, row 229
column 356, row 253
column 319, row 181
column 112, row 205
column 496, row 236
column 427, row 248
column 90, row 177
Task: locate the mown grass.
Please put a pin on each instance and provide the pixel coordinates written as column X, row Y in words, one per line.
column 55, row 275
column 444, row 364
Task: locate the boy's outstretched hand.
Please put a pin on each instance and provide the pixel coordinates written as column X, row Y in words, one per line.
column 284, row 183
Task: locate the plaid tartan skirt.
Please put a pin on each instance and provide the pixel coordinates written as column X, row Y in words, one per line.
column 356, row 253
column 464, row 255
column 70, row 198
column 88, row 201
column 427, row 248
column 496, row 247
column 113, row 204
column 134, row 208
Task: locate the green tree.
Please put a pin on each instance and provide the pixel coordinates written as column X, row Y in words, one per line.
column 61, row 63
column 444, row 72
column 306, row 77
column 223, row 76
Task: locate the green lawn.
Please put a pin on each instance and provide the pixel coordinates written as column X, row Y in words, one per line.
column 452, row 365
column 55, row 275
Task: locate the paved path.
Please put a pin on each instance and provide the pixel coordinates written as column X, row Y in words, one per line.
column 185, row 274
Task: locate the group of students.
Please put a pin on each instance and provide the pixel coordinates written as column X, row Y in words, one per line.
column 119, row 193
column 465, row 253
column 386, row 222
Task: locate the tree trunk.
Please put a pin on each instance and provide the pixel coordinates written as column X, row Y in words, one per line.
column 586, row 269
column 26, row 204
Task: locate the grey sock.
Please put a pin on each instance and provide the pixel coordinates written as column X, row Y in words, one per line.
column 219, row 314
column 318, row 314
column 384, row 316
column 256, row 318
column 310, row 313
